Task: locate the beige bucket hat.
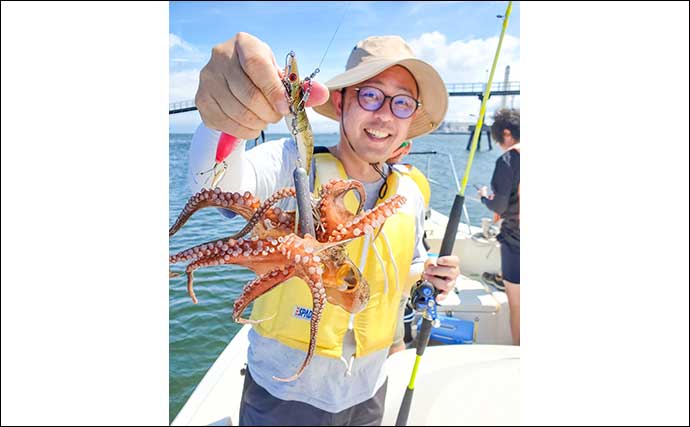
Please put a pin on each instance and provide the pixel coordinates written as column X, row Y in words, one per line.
column 373, row 55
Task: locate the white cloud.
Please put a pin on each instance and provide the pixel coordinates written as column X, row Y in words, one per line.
column 176, row 41
column 183, row 52
column 468, row 61
column 186, row 61
column 183, row 84
column 185, row 64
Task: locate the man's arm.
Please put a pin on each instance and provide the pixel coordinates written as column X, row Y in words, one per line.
column 502, row 183
column 240, row 175
column 262, row 170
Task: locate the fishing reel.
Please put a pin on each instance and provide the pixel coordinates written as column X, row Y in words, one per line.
column 423, row 300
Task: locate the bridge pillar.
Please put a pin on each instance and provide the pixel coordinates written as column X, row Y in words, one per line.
column 481, row 96
column 486, row 129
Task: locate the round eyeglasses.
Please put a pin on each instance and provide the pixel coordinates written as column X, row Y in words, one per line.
column 372, row 99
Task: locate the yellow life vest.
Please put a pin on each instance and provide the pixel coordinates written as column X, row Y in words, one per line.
column 384, row 263
column 419, row 179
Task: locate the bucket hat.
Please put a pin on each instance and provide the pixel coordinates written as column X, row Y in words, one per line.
column 374, row 55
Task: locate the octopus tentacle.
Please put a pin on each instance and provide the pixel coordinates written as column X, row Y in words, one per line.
column 258, row 287
column 259, row 213
column 244, row 205
column 257, row 255
column 332, row 204
column 315, row 284
column 198, row 251
column 368, row 221
column 190, row 279
column 208, row 247
column 216, row 258
column 263, row 210
column 278, row 222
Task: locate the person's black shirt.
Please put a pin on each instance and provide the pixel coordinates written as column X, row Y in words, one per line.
column 504, row 184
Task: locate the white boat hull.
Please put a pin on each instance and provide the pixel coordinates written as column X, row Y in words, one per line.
column 455, row 385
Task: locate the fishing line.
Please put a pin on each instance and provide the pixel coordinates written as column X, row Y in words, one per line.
column 332, row 38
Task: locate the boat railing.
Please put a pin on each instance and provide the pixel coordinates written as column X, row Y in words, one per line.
column 427, row 173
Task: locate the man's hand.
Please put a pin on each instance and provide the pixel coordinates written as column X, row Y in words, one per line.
column 483, row 192
column 240, row 89
column 442, row 274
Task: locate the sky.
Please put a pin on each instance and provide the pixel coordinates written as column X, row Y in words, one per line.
column 458, row 38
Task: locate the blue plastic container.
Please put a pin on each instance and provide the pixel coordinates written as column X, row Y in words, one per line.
column 451, row 330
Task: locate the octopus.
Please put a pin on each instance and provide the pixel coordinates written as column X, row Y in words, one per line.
column 269, row 246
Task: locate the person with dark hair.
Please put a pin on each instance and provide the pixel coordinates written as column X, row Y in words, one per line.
column 505, row 203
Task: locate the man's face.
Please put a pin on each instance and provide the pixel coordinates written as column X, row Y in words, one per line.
column 376, row 134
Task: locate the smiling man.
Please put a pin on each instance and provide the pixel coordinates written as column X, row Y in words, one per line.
column 384, row 97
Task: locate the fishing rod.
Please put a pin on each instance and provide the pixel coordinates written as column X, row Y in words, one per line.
column 423, row 293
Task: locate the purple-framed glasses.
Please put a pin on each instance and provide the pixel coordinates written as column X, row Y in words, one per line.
column 372, row 99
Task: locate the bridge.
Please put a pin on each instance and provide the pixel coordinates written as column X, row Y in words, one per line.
column 477, row 89
column 454, row 89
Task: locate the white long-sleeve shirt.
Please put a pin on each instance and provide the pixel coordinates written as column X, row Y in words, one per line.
column 262, row 171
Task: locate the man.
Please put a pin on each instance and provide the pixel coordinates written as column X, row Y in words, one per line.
column 384, row 97
column 505, row 202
